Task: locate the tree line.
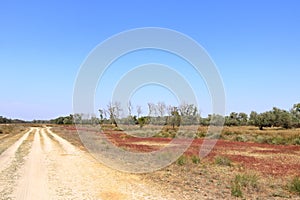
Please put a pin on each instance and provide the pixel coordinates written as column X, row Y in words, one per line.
column 4, row 120
column 184, row 114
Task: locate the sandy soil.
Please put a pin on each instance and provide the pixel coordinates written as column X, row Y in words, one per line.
column 7, row 156
column 42, row 165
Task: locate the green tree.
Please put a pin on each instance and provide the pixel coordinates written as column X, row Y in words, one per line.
column 142, row 121
column 232, row 119
column 252, row 118
column 101, row 113
column 175, row 117
column 264, row 120
column 243, row 119
column 295, row 112
column 281, row 118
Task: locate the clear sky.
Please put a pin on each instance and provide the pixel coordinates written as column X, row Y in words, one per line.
column 255, row 45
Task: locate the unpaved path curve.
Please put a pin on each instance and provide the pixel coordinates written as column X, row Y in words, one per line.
column 55, row 169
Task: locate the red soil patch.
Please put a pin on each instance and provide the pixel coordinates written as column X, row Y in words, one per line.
column 268, row 159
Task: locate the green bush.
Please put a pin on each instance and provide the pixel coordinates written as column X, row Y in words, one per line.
column 279, row 140
column 182, row 160
column 236, row 190
column 261, row 139
column 294, row 186
column 200, row 134
column 241, row 138
column 195, row 159
column 247, row 180
column 243, row 181
column 296, row 141
column 224, row 161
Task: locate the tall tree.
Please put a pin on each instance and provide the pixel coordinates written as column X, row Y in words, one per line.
column 129, row 107
column 161, row 108
column 243, row 119
column 114, row 110
column 138, row 110
column 295, row 112
column 152, row 109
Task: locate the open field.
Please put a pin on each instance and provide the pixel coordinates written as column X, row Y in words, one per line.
column 253, row 169
column 50, row 162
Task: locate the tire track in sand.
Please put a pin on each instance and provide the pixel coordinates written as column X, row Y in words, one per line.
column 9, row 175
column 33, row 182
column 47, row 166
column 75, row 174
column 47, row 144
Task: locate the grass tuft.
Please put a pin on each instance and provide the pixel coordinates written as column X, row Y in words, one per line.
column 236, row 190
column 223, row 161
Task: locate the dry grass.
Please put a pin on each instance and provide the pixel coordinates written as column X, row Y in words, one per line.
column 266, row 131
column 10, row 133
column 272, row 135
column 190, row 178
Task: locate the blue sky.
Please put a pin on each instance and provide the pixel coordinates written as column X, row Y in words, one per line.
column 255, row 45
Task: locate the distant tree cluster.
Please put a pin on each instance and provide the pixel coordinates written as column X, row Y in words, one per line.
column 76, row 118
column 63, row 120
column 158, row 114
column 276, row 118
column 4, row 120
column 184, row 114
column 273, row 118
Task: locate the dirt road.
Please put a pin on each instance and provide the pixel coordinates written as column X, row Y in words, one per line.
column 42, row 165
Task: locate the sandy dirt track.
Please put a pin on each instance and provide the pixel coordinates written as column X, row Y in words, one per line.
column 42, row 165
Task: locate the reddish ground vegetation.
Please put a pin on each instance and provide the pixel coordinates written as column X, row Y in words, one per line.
column 279, row 160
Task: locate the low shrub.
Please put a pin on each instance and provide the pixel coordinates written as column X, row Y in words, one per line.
column 182, row 160
column 294, row 185
column 195, row 159
column 241, row 138
column 279, row 140
column 221, row 160
column 243, row 181
column 200, row 134
column 247, row 180
column 296, row 141
column 261, row 139
column 236, row 190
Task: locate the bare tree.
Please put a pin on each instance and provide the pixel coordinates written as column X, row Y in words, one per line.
column 152, row 109
column 129, row 106
column 169, row 110
column 114, row 110
column 118, row 109
column 187, row 109
column 161, row 107
column 138, row 110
